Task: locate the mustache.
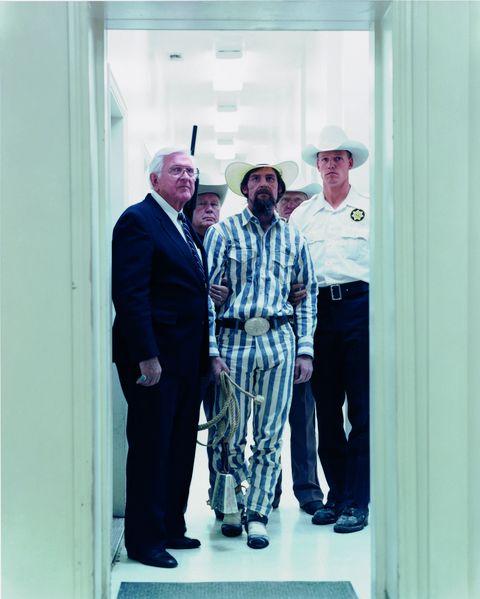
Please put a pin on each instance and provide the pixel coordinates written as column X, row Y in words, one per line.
column 264, row 190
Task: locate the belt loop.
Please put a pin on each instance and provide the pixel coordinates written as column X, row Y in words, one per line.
column 336, row 295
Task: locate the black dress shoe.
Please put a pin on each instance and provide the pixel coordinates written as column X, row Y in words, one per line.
column 155, row 557
column 182, row 543
column 232, row 524
column 312, row 506
column 327, row 514
column 352, row 519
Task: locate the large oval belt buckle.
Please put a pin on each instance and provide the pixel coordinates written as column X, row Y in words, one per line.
column 256, row 326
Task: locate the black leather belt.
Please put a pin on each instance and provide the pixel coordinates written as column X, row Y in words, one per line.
column 232, row 323
column 344, row 291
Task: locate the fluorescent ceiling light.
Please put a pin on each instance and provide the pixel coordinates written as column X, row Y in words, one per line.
column 226, row 121
column 228, row 76
column 229, row 52
column 225, row 150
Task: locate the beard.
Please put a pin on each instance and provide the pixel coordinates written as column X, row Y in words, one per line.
column 264, row 206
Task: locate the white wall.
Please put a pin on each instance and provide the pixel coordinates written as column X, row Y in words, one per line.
column 338, row 77
column 431, row 405
column 53, row 336
column 383, row 327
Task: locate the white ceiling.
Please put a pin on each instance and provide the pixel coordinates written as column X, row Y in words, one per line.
column 165, row 97
column 295, row 82
column 287, row 15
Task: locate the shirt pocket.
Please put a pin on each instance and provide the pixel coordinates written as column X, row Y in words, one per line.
column 241, row 264
column 285, row 259
column 354, row 243
column 316, row 247
column 281, row 268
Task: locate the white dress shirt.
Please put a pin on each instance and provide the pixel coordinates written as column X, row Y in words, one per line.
column 170, row 210
column 338, row 238
column 173, row 215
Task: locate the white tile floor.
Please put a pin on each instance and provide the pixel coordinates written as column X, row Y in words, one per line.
column 298, row 550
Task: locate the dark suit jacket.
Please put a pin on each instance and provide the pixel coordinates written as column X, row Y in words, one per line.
column 158, row 292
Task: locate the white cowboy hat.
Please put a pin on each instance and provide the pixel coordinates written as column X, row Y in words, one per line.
column 333, row 138
column 309, row 190
column 235, row 172
column 206, row 185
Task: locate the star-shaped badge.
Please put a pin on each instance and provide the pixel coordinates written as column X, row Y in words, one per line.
column 357, row 214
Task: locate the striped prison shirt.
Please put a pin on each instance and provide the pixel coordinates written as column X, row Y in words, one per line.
column 260, row 267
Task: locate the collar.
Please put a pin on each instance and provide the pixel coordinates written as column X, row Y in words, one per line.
column 353, row 200
column 170, row 210
column 247, row 215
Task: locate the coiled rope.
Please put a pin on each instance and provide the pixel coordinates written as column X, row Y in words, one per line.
column 228, row 418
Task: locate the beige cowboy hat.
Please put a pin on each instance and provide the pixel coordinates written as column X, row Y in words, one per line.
column 334, row 138
column 235, row 172
column 309, row 190
column 206, row 185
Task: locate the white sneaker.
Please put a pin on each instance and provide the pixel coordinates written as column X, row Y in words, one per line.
column 257, row 535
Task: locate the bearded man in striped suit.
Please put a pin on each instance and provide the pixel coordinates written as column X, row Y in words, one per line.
column 260, row 256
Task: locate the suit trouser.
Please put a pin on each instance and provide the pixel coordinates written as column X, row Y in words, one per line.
column 303, row 447
column 161, row 432
column 262, row 365
column 341, row 369
column 207, row 388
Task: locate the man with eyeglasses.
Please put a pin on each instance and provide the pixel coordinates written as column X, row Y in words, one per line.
column 261, row 257
column 160, row 347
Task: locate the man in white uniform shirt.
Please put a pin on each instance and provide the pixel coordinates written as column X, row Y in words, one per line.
column 336, row 225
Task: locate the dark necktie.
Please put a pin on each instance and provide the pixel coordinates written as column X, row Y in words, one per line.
column 191, row 243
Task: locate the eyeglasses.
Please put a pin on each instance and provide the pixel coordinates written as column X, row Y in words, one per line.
column 177, row 171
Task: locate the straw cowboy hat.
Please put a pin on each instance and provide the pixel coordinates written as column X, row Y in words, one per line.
column 235, row 172
column 206, row 185
column 333, row 138
column 309, row 190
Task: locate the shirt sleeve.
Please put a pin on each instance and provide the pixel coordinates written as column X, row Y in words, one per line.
column 305, row 316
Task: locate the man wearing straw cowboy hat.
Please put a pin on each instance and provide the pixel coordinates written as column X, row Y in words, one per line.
column 336, row 226
column 294, row 196
column 204, row 210
column 261, row 256
column 303, row 438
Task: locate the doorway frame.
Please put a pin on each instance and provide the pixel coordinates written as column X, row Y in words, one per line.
column 383, row 486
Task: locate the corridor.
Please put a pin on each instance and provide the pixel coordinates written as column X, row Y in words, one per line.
column 298, row 550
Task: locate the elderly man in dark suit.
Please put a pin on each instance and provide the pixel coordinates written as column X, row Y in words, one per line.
column 160, row 345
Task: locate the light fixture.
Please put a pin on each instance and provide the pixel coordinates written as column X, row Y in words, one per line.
column 226, row 119
column 225, row 149
column 228, row 74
